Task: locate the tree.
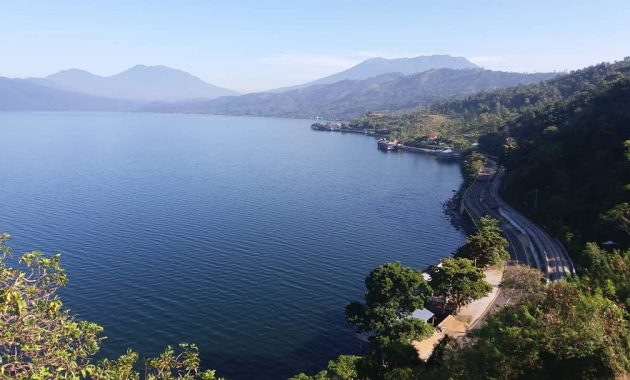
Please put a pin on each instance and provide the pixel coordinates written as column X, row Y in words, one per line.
column 522, row 283
column 472, row 163
column 608, row 271
column 393, row 292
column 619, row 216
column 342, row 368
column 458, row 282
column 487, row 247
column 40, row 339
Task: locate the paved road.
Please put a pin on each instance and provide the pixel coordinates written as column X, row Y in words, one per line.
column 528, row 243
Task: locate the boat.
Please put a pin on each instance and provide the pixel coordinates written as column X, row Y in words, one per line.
column 386, row 145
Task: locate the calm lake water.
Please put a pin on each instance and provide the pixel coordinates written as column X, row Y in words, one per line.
column 247, row 236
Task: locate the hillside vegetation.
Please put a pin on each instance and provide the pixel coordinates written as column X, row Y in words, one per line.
column 374, row 67
column 566, row 146
column 561, row 140
column 351, row 98
column 486, row 115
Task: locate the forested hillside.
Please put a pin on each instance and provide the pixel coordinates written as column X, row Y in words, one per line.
column 566, row 163
column 486, row 114
column 566, row 146
column 561, row 140
column 351, row 98
column 374, row 67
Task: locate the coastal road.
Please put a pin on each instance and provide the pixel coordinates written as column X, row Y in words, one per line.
column 528, row 243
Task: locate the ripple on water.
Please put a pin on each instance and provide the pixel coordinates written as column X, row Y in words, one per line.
column 247, row 236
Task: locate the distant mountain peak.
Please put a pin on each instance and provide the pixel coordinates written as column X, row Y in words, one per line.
column 376, row 66
column 151, row 68
column 413, row 65
column 138, row 83
column 71, row 71
column 375, row 59
column 74, row 70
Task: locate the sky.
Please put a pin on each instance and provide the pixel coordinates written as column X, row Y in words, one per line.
column 258, row 45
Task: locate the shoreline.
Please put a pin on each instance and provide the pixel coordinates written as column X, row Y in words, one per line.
column 451, row 209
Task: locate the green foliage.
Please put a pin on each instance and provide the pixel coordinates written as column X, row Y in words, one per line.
column 396, row 287
column 342, row 368
column 608, row 271
column 570, row 333
column 458, row 282
column 393, row 292
column 487, row 247
column 619, row 216
column 473, row 162
column 567, row 179
column 40, row 339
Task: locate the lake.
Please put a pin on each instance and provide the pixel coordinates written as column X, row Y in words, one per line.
column 246, row 236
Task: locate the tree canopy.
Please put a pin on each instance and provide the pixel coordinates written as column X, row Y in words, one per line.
column 522, row 283
column 458, row 282
column 342, row 368
column 486, row 247
column 569, row 333
column 393, row 292
column 608, row 271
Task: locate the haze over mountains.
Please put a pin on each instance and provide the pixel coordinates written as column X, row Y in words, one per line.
column 377, row 84
column 378, row 66
column 25, row 95
column 351, row 98
column 139, row 83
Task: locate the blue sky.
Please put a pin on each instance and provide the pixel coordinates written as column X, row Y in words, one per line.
column 256, row 45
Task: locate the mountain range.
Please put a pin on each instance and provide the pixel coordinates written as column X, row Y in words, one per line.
column 25, row 95
column 376, row 84
column 378, row 66
column 139, row 83
column 351, row 98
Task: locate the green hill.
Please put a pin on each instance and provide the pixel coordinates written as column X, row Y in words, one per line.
column 561, row 140
column 571, row 153
column 566, row 146
column 485, row 114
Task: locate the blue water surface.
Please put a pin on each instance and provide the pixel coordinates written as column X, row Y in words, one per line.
column 246, row 236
